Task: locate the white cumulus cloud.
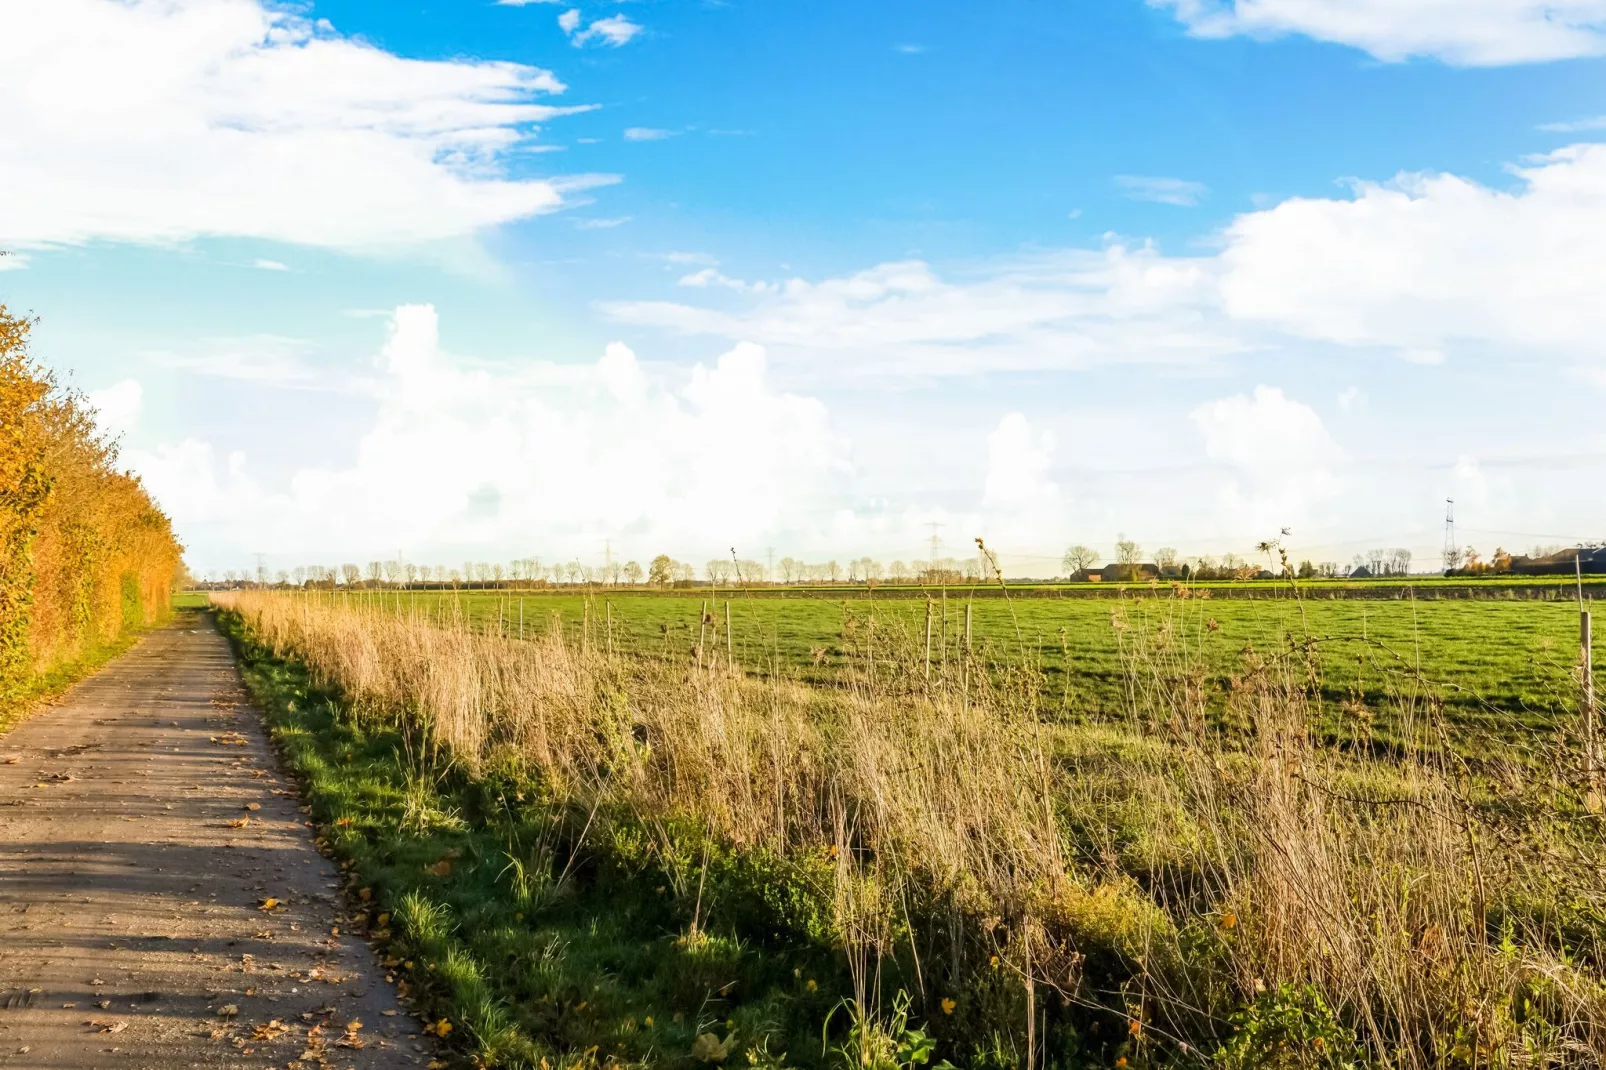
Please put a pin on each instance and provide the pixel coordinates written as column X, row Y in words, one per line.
column 1280, row 458
column 158, row 121
column 117, row 407
column 1464, row 32
column 548, row 459
column 1425, row 262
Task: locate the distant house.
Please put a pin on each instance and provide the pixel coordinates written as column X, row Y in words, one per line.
column 1361, row 573
column 1590, row 560
column 1129, row 573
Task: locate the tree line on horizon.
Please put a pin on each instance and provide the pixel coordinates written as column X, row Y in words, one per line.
column 1079, row 562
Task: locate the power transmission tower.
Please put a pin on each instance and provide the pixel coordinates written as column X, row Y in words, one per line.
column 1452, row 552
column 769, row 552
column 936, row 541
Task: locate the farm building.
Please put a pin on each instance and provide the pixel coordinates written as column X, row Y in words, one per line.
column 1590, row 560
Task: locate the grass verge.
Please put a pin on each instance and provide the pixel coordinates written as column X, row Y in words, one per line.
column 17, row 706
column 527, row 934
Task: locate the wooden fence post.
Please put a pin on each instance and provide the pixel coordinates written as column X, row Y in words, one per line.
column 1586, row 680
column 928, row 642
column 1591, row 744
column 702, row 628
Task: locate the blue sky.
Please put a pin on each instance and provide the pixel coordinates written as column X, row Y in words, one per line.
column 479, row 281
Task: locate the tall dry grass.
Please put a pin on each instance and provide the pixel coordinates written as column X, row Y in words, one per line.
column 1209, row 871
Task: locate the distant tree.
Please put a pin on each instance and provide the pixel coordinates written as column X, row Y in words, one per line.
column 376, row 570
column 833, row 571
column 632, row 572
column 1165, row 557
column 498, row 573
column 750, row 572
column 899, row 572
column 1306, row 570
column 1400, row 561
column 661, row 572
column 718, row 571
column 351, row 574
column 872, row 570
column 684, row 572
column 1127, row 552
column 1079, row 557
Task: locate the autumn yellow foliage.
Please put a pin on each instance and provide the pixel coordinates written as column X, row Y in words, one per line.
column 85, row 554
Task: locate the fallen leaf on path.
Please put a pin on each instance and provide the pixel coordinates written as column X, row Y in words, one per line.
column 253, row 806
column 228, row 1010
column 102, row 1026
column 239, row 823
column 268, row 904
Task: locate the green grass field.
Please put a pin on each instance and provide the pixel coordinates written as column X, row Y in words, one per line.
column 1502, row 663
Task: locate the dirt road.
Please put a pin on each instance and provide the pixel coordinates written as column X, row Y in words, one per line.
column 161, row 901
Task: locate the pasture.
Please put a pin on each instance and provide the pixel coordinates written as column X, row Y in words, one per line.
column 1505, row 664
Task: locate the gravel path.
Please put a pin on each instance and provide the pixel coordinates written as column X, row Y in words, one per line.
column 161, row 900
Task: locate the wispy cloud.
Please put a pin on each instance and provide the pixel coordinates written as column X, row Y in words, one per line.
column 602, row 224
column 909, row 49
column 1577, row 126
column 269, row 265
column 1482, row 34
column 524, row 3
column 710, row 276
column 648, row 133
column 1419, row 267
column 1176, row 191
column 613, row 31
column 268, row 360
